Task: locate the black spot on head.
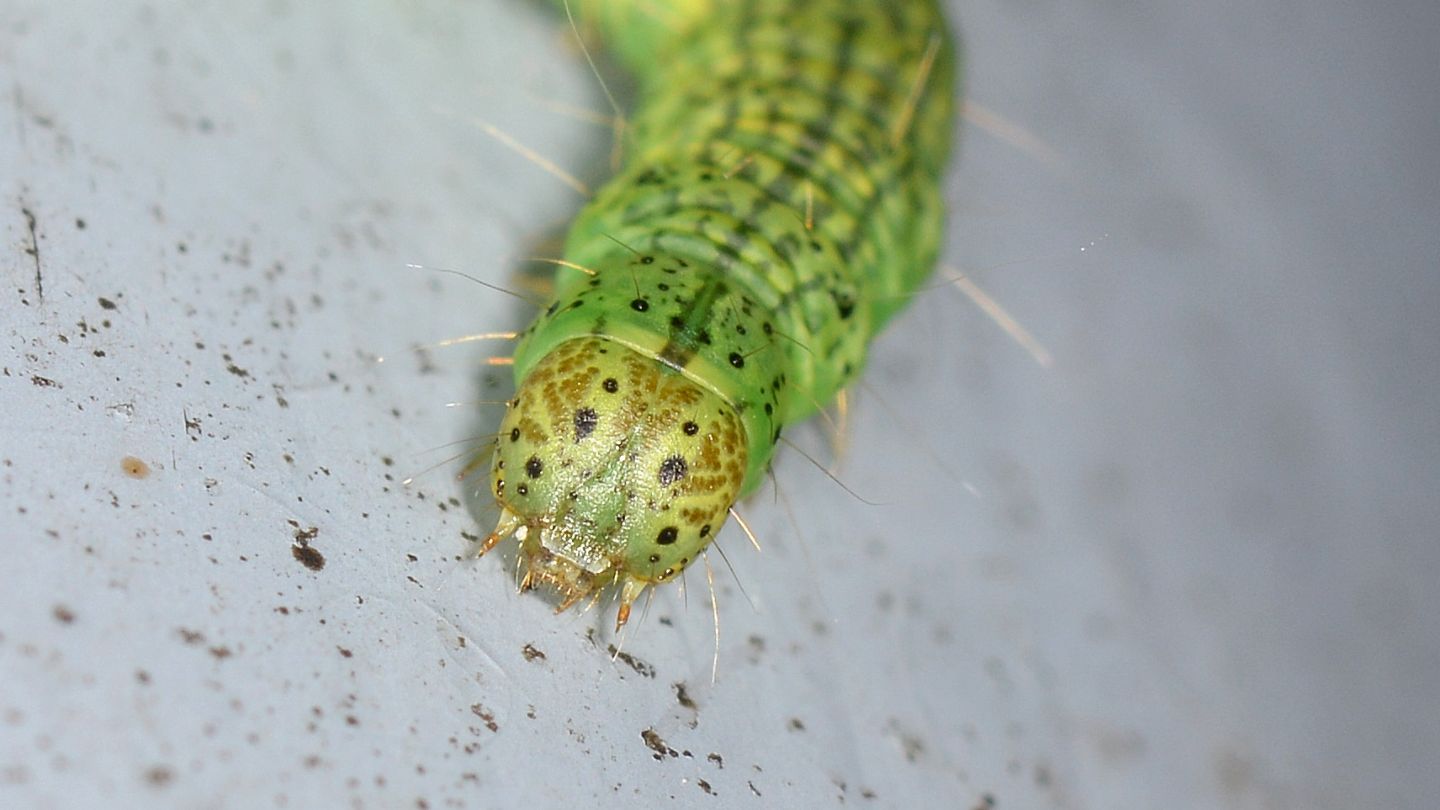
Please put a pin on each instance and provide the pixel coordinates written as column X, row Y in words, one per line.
column 515, row 434
column 667, row 535
column 585, row 421
column 672, row 469
column 691, row 428
column 705, row 530
column 521, row 489
column 769, row 409
column 500, row 487
column 654, row 558
column 534, row 467
column 847, row 308
column 647, row 259
column 611, row 385
column 737, row 360
column 639, row 305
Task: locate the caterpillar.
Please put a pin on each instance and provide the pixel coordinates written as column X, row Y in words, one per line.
column 779, row 202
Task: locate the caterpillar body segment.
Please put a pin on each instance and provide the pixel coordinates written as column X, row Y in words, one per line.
column 778, row 204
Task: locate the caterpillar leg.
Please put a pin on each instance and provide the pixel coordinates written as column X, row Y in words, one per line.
column 510, row 523
column 629, row 592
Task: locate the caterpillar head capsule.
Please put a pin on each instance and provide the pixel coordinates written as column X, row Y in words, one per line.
column 612, row 468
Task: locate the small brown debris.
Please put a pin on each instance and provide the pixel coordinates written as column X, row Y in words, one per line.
column 682, row 696
column 639, row 665
column 302, row 551
column 486, row 716
column 655, row 743
column 159, row 776
column 134, row 467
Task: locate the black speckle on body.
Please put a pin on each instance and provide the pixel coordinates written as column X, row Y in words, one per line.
column 672, row 469
column 585, row 421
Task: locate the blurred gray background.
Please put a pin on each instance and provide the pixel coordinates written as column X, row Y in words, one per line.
column 1192, row 563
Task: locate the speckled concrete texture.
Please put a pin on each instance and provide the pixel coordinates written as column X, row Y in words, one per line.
column 1192, row 563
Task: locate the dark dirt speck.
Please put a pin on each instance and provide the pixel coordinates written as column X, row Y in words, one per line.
column 309, row 557
column 159, row 776
column 655, row 743
column 643, row 667
column 486, row 716
column 682, row 696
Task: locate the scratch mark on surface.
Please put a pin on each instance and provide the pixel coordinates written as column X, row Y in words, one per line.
column 19, row 96
column 34, row 251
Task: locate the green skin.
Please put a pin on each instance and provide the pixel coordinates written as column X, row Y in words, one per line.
column 779, row 203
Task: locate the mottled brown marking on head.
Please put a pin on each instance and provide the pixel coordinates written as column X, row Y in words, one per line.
column 616, row 488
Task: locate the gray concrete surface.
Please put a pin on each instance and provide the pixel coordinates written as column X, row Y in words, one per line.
column 1192, row 564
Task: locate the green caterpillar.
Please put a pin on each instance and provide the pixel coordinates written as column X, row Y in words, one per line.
column 778, row 204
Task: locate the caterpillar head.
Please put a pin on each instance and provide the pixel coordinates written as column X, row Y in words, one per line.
column 612, row 468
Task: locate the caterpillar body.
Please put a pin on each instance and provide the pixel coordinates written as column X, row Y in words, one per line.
column 778, row 204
